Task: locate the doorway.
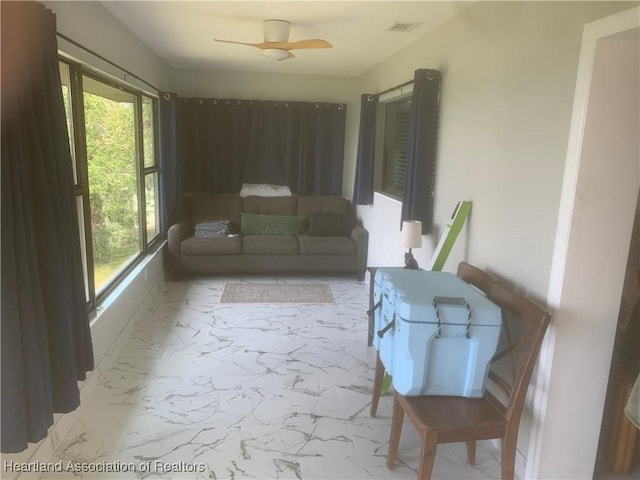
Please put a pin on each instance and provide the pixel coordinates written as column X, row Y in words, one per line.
column 619, row 448
column 600, row 189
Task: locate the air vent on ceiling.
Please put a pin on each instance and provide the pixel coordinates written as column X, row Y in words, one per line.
column 403, row 26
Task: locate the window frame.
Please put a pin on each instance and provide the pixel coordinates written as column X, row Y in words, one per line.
column 78, row 145
column 382, row 160
column 150, row 170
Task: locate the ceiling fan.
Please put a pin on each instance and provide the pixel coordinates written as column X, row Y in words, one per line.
column 276, row 43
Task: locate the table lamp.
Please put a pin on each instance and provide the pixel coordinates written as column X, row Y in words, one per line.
column 411, row 237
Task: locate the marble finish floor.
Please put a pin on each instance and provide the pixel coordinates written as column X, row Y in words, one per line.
column 209, row 390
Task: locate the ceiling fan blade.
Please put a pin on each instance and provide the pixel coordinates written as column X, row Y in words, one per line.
column 300, row 44
column 257, row 45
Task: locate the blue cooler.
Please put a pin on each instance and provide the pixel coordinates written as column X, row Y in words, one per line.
column 445, row 334
column 384, row 317
column 388, row 282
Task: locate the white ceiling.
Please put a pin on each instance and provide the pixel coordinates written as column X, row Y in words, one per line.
column 182, row 32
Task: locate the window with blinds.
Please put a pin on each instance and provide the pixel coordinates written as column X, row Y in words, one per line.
column 397, row 119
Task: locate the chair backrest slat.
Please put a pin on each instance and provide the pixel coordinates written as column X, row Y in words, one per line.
column 477, row 277
column 524, row 324
column 500, row 382
column 523, row 352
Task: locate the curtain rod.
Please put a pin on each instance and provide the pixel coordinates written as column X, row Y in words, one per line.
column 107, row 60
column 395, row 88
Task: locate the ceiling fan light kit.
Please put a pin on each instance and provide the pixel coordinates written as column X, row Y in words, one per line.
column 276, row 53
column 276, row 43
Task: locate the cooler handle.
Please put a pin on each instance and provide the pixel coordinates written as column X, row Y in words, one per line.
column 451, row 301
column 388, row 327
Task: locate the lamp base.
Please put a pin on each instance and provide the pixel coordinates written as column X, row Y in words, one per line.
column 410, row 262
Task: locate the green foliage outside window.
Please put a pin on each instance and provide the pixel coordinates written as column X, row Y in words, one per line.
column 113, row 191
column 115, row 173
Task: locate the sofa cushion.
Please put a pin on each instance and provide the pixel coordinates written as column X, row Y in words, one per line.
column 310, row 245
column 211, row 245
column 308, row 204
column 270, row 244
column 269, row 205
column 256, row 224
column 330, row 225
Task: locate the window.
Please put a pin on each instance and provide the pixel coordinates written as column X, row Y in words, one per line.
column 404, row 113
column 398, row 117
column 112, row 137
column 152, row 210
column 391, row 148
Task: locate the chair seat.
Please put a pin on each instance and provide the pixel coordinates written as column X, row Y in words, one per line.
column 451, row 416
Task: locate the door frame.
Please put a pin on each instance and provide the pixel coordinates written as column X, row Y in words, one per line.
column 558, row 449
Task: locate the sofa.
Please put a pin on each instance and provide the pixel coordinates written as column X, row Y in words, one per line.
column 297, row 233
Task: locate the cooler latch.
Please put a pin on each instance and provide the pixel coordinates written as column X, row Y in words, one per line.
column 372, row 310
column 387, row 327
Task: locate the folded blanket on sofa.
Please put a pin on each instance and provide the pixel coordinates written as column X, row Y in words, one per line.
column 212, row 228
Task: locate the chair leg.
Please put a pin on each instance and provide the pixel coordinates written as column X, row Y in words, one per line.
column 377, row 386
column 427, row 454
column 396, row 429
column 471, row 452
column 508, row 460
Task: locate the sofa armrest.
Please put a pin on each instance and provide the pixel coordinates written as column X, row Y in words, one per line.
column 176, row 234
column 361, row 237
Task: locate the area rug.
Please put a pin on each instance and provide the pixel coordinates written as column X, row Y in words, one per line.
column 276, row 293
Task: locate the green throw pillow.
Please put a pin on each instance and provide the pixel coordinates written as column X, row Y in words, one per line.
column 256, row 224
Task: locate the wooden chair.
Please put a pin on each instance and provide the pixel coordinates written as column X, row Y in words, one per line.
column 459, row 419
column 477, row 277
column 467, row 272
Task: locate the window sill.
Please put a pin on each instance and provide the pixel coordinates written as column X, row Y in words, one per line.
column 139, row 270
column 388, row 196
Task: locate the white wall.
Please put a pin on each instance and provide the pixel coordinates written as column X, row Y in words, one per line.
column 508, row 76
column 94, row 27
column 262, row 86
column 508, row 73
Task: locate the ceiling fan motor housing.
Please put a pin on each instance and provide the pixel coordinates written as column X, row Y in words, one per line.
column 276, row 30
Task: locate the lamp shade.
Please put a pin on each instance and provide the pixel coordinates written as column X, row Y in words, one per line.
column 411, row 234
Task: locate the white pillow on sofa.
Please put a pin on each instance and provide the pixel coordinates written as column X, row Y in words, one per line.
column 264, row 190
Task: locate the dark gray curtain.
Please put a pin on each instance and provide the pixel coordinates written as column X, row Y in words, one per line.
column 363, row 184
column 417, row 202
column 222, row 143
column 322, row 150
column 214, row 143
column 274, row 130
column 46, row 342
